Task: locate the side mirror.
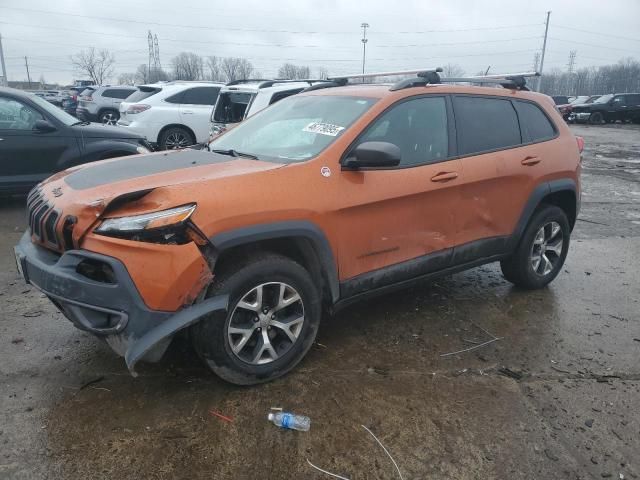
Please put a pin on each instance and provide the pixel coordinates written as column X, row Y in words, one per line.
column 44, row 126
column 373, row 155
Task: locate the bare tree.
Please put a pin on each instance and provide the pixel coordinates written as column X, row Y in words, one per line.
column 127, row 79
column 452, row 70
column 293, row 72
column 323, row 73
column 96, row 64
column 215, row 71
column 233, row 68
column 188, row 66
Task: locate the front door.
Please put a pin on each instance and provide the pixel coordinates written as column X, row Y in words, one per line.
column 26, row 155
column 195, row 109
column 399, row 223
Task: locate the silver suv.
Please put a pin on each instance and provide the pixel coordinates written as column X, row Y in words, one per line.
column 102, row 104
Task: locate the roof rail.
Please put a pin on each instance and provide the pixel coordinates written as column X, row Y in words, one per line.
column 418, row 72
column 269, row 83
column 511, row 80
column 247, row 80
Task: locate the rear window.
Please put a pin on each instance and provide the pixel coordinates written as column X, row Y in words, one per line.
column 535, row 125
column 142, row 93
column 201, row 96
column 231, row 107
column 485, row 124
column 86, row 92
column 120, row 93
column 560, row 99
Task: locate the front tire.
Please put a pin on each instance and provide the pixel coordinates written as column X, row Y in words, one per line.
column 542, row 250
column 273, row 318
column 596, row 118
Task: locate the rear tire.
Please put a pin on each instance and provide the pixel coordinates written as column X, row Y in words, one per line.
column 596, row 118
column 542, row 250
column 175, row 138
column 109, row 117
column 273, row 318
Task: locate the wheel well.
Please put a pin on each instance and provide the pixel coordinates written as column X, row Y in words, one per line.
column 566, row 200
column 299, row 249
column 176, row 125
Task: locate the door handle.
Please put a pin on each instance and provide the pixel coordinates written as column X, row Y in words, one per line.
column 187, row 112
column 444, row 176
column 529, row 161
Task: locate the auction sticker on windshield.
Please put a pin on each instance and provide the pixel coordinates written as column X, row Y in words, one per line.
column 323, row 128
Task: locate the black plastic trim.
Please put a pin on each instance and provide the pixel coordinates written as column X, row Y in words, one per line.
column 288, row 229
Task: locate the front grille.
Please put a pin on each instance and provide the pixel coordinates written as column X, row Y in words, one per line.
column 42, row 218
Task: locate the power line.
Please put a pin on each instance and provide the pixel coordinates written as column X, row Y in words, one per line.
column 591, row 44
column 594, row 32
column 238, row 29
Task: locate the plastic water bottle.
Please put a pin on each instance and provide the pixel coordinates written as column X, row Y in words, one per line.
column 290, row 421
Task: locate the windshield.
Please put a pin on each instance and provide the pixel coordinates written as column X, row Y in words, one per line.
column 294, row 129
column 54, row 111
column 580, row 100
column 231, row 107
column 604, row 98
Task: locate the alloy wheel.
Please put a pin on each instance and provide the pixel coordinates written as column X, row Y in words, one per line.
column 109, row 119
column 176, row 140
column 546, row 250
column 265, row 323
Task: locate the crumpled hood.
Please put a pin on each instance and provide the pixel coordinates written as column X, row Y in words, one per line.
column 86, row 191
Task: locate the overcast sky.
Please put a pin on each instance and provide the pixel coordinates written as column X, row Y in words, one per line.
column 403, row 34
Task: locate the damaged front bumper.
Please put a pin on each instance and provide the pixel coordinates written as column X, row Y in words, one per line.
column 96, row 293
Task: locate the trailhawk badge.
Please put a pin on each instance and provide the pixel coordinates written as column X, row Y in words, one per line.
column 325, row 171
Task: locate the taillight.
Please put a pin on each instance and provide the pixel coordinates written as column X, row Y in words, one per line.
column 580, row 142
column 137, row 108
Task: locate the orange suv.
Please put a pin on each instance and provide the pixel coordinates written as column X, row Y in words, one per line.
column 327, row 197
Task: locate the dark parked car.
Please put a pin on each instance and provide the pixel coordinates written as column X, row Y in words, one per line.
column 566, row 109
column 38, row 139
column 562, row 99
column 70, row 104
column 609, row 109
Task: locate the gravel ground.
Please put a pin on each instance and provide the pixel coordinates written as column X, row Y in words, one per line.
column 556, row 397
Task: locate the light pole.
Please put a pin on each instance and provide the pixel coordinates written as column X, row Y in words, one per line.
column 364, row 44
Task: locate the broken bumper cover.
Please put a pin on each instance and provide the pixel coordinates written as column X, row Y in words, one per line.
column 109, row 307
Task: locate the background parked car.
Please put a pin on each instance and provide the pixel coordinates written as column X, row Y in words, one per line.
column 171, row 114
column 562, row 99
column 101, row 104
column 70, row 104
column 37, row 139
column 566, row 109
column 242, row 98
column 609, row 109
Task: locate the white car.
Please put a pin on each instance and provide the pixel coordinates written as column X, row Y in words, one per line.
column 170, row 115
column 241, row 99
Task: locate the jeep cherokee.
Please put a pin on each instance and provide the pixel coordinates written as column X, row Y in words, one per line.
column 322, row 199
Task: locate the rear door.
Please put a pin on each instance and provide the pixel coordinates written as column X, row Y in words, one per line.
column 633, row 111
column 500, row 170
column 406, row 213
column 195, row 109
column 618, row 109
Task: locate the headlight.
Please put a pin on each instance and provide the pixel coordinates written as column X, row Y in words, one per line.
column 167, row 226
column 141, row 149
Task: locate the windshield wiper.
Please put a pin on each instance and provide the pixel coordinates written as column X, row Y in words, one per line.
column 234, row 153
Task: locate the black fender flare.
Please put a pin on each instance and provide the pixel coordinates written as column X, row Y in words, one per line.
column 536, row 197
column 288, row 229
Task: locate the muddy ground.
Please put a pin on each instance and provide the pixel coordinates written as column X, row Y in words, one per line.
column 570, row 412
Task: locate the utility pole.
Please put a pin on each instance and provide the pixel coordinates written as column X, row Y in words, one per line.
column 544, row 49
column 364, row 45
column 570, row 66
column 5, row 80
column 26, row 64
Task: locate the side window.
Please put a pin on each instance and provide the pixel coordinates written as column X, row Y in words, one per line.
column 418, row 127
column 633, row 100
column 619, row 100
column 485, row 124
column 120, row 93
column 535, row 125
column 15, row 115
column 201, row 96
column 175, row 98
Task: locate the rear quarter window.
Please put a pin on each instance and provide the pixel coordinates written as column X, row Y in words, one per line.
column 535, row 125
column 484, row 124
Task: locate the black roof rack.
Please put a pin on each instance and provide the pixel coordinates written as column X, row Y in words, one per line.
column 246, row 80
column 516, row 81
